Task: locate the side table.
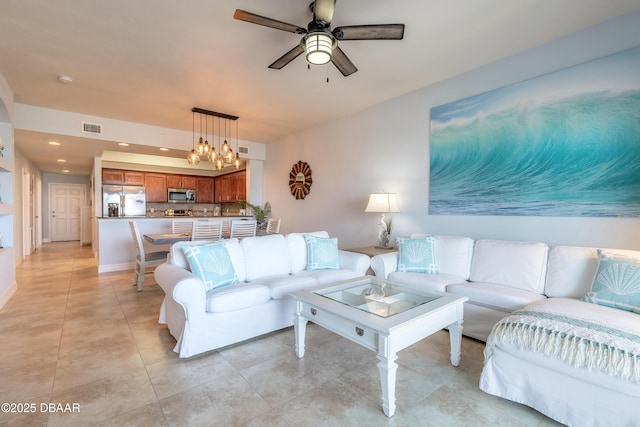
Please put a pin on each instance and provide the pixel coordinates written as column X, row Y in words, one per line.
column 371, row 251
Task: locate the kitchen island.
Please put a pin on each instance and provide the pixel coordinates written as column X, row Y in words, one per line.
column 115, row 244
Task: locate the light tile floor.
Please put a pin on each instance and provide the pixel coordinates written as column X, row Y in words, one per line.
column 72, row 336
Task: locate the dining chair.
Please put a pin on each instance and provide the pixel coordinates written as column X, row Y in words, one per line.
column 143, row 259
column 273, row 225
column 206, row 230
column 243, row 228
column 181, row 225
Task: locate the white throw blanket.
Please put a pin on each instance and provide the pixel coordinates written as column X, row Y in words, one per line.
column 581, row 334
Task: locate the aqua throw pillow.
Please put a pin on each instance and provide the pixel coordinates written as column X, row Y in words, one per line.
column 416, row 255
column 212, row 264
column 617, row 282
column 322, row 253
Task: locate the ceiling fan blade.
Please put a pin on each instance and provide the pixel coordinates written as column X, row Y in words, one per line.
column 287, row 57
column 323, row 10
column 370, row 32
column 242, row 15
column 342, row 63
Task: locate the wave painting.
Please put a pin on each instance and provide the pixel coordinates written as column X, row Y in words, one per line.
column 564, row 144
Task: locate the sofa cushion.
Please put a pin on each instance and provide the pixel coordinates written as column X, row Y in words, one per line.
column 234, row 250
column 570, row 271
column 265, row 256
column 453, row 254
column 617, row 281
column 416, row 255
column 282, row 284
column 430, row 282
column 504, row 298
column 211, row 264
column 236, row 297
column 521, row 265
column 322, row 253
column 297, row 247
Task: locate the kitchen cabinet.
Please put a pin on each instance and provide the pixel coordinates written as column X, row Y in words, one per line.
column 112, row 176
column 156, row 187
column 190, row 182
column 231, row 188
column 181, row 181
column 204, row 190
column 133, row 178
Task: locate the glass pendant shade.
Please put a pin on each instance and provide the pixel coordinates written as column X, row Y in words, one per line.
column 193, row 158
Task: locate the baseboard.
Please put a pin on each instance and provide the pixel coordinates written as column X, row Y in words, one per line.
column 46, row 240
column 108, row 268
column 6, row 295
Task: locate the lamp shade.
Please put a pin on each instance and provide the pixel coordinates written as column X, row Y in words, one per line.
column 382, row 203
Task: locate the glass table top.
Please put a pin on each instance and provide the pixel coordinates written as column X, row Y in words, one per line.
column 377, row 297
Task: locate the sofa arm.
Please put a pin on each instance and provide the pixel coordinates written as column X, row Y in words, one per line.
column 354, row 261
column 384, row 264
column 184, row 288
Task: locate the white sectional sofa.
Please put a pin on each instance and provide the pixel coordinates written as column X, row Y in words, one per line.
column 268, row 268
column 575, row 361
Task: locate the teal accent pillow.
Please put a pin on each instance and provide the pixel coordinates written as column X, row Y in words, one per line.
column 416, row 255
column 617, row 282
column 322, row 253
column 212, row 264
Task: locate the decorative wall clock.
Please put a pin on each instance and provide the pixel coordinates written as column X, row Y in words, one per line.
column 300, row 179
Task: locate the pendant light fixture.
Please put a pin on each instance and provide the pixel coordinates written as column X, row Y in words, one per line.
column 193, row 158
column 225, row 156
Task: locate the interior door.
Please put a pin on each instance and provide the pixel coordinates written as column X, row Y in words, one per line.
column 66, row 200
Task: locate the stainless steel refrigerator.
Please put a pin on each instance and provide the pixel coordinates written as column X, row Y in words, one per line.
column 123, row 200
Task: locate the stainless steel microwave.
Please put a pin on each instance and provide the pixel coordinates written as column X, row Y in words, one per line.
column 181, row 195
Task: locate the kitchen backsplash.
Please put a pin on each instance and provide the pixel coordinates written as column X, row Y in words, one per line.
column 198, row 209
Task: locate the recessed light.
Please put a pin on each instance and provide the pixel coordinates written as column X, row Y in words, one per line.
column 66, row 80
column 123, row 144
column 65, row 171
column 62, row 160
column 54, row 143
column 164, row 149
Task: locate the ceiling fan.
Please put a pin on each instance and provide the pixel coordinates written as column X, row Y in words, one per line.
column 321, row 43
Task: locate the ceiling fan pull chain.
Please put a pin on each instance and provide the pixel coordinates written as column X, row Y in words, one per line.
column 327, row 68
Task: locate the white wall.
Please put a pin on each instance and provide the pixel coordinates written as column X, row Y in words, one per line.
column 388, row 148
column 21, row 163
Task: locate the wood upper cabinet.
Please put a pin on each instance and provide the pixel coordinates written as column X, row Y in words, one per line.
column 222, row 188
column 204, row 190
column 189, row 182
column 231, row 188
column 133, row 178
column 174, row 181
column 238, row 186
column 181, row 181
column 155, row 185
column 112, row 176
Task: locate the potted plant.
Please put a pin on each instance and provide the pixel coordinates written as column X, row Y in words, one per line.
column 261, row 214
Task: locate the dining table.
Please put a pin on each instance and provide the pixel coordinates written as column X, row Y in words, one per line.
column 166, row 238
column 171, row 238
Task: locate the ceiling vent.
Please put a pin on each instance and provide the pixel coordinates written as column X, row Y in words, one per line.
column 243, row 150
column 92, row 128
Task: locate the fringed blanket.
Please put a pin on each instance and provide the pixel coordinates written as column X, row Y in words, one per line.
column 581, row 334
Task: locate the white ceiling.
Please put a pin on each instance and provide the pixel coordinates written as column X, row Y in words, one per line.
column 151, row 61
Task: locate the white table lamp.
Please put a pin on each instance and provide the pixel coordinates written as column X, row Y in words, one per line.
column 383, row 203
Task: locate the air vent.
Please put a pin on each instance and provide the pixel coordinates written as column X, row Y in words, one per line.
column 91, row 128
column 243, row 150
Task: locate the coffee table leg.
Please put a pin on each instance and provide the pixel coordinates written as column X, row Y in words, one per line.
column 455, row 337
column 387, row 367
column 300, row 329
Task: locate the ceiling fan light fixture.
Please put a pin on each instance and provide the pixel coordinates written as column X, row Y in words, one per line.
column 318, row 47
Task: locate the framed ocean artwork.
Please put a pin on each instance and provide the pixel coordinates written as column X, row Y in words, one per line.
column 562, row 144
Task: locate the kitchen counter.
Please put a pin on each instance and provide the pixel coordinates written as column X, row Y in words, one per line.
column 115, row 245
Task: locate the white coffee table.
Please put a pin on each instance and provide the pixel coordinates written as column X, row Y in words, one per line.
column 382, row 316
